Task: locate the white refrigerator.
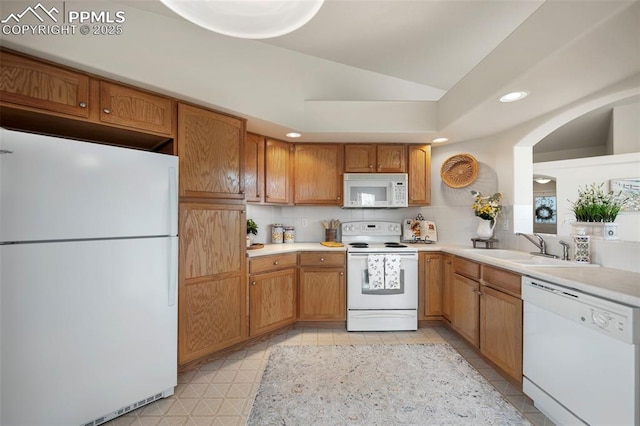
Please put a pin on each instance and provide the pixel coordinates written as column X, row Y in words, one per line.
column 88, row 274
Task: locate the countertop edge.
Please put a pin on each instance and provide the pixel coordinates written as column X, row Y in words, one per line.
column 613, row 284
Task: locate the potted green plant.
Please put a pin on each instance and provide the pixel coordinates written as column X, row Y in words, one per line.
column 252, row 230
column 596, row 205
column 596, row 210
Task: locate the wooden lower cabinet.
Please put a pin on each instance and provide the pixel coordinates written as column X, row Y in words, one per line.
column 272, row 300
column 447, row 278
column 431, row 274
column 322, row 295
column 465, row 308
column 211, row 287
column 501, row 330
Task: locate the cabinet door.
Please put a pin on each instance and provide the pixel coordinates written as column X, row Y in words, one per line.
column 391, row 158
column 124, row 106
column 272, row 300
column 38, row 85
column 211, row 151
column 254, row 168
column 419, row 175
column 318, row 174
column 465, row 308
column 360, row 158
column 322, row 294
column 447, row 278
column 211, row 290
column 277, row 172
column 433, row 284
column 501, row 330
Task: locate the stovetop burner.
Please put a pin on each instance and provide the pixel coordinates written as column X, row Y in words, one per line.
column 394, row 245
column 359, row 245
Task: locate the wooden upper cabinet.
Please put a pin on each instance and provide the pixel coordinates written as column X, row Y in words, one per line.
column 128, row 107
column 375, row 158
column 34, row 84
column 360, row 158
column 419, row 175
column 391, row 158
column 277, row 173
column 211, row 151
column 318, row 174
column 254, row 168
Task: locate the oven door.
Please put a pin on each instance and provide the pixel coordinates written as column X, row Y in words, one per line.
column 360, row 295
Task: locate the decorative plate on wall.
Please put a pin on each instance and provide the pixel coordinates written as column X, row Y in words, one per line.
column 459, row 171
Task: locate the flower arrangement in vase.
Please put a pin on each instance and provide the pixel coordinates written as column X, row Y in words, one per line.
column 488, row 209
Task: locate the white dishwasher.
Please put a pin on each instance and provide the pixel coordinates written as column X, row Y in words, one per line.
column 581, row 356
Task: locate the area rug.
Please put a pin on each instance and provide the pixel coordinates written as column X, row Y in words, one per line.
column 413, row 384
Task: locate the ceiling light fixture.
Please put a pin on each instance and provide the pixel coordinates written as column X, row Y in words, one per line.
column 293, row 135
column 542, row 180
column 440, row 140
column 514, row 96
column 253, row 19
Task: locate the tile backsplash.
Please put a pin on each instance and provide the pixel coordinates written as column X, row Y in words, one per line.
column 456, row 225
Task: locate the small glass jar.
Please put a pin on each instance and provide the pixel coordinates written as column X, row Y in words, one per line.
column 289, row 235
column 277, row 233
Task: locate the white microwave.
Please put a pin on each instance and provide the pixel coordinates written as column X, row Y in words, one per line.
column 375, row 190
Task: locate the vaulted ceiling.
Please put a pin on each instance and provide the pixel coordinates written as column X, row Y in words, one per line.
column 373, row 70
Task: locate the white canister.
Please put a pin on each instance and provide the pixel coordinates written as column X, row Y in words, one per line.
column 289, row 234
column 277, row 233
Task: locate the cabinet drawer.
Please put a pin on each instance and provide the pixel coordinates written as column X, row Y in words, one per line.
column 501, row 280
column 322, row 259
column 270, row 263
column 466, row 267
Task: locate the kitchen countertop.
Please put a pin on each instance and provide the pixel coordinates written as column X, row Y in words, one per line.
column 613, row 284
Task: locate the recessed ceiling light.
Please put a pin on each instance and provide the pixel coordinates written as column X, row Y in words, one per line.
column 440, row 140
column 513, row 96
column 293, row 135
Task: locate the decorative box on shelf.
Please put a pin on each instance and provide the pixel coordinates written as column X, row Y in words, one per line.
column 604, row 230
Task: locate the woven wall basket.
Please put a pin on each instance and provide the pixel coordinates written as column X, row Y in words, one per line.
column 459, row 171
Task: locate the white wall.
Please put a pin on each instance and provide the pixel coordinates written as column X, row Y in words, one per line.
column 626, row 129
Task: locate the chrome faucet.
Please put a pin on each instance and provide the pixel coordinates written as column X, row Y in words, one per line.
column 540, row 244
column 565, row 250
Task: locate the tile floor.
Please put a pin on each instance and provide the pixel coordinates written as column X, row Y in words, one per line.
column 222, row 391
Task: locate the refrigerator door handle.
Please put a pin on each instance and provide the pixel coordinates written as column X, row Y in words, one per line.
column 173, row 271
column 173, row 201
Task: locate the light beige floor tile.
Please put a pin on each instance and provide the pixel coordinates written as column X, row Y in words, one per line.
column 221, row 392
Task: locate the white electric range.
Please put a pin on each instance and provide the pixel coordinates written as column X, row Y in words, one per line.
column 382, row 277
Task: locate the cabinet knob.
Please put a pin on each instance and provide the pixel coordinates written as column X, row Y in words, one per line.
column 253, row 283
column 258, row 195
column 371, row 166
column 341, row 273
column 276, row 262
column 379, row 166
column 339, row 198
column 82, row 104
column 322, row 259
column 428, row 260
column 106, row 111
